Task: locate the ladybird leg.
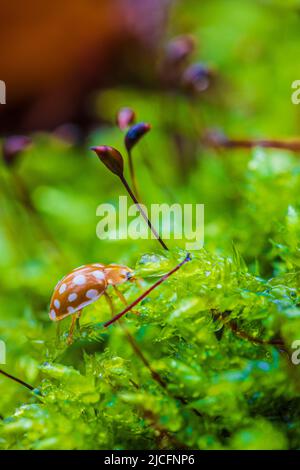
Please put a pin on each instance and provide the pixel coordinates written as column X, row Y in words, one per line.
column 78, row 315
column 120, row 295
column 138, row 282
column 110, row 303
column 58, row 332
column 122, row 298
column 71, row 331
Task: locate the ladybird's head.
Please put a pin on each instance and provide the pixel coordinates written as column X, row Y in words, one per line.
column 117, row 274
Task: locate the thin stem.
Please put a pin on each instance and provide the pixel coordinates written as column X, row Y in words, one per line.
column 144, row 360
column 132, row 174
column 147, row 292
column 244, row 335
column 155, row 375
column 128, row 189
column 19, row 381
column 293, row 146
column 134, row 344
column 233, row 326
column 161, row 432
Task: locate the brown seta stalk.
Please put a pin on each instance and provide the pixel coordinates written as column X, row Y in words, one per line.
column 15, row 379
column 147, row 292
column 113, row 160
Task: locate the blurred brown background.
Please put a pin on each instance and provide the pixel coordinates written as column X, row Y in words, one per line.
column 53, row 54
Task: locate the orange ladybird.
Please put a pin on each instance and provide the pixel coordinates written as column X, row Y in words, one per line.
column 83, row 286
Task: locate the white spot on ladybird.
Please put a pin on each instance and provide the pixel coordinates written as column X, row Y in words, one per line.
column 53, row 315
column 98, row 274
column 71, row 310
column 56, row 303
column 72, row 297
column 92, row 294
column 62, row 288
column 79, row 280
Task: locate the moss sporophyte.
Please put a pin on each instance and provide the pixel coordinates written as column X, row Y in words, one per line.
column 113, row 160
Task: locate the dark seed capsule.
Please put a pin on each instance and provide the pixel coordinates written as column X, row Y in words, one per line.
column 111, row 158
column 69, row 133
column 179, row 49
column 135, row 133
column 13, row 147
column 197, row 77
column 125, row 117
column 215, row 138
